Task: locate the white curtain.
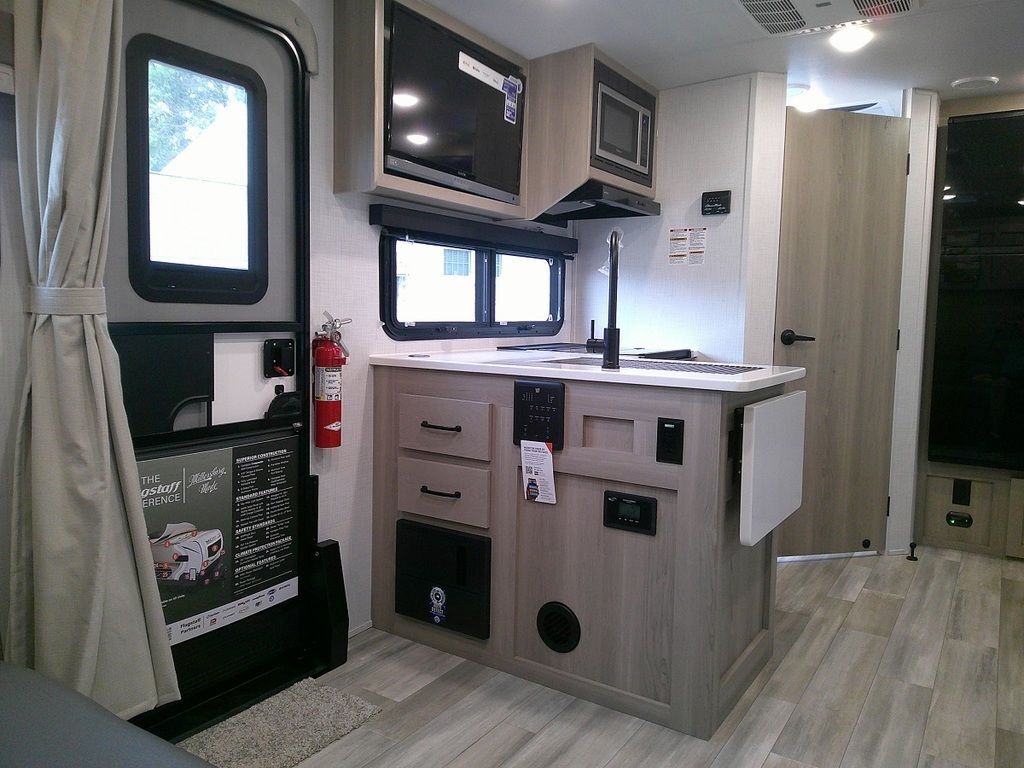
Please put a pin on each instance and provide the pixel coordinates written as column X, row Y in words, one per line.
column 84, row 602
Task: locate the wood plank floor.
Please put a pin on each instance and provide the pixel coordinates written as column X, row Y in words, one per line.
column 880, row 663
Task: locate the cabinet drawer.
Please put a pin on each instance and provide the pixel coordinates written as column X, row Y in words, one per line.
column 441, row 425
column 429, row 488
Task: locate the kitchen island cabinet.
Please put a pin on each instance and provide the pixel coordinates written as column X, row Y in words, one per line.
column 670, row 624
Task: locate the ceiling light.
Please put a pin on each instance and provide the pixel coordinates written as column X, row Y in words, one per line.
column 417, row 138
column 807, row 101
column 947, row 198
column 1020, row 202
column 793, row 90
column 947, row 188
column 405, row 100
column 974, row 83
column 851, row 38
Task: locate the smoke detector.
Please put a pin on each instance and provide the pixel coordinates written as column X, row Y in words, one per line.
column 803, row 17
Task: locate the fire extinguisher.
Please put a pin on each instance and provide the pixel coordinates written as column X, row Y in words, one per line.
column 329, row 355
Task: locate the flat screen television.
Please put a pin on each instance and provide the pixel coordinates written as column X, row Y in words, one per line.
column 453, row 112
column 977, row 394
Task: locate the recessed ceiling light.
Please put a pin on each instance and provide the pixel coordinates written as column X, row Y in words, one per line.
column 974, row 83
column 417, row 139
column 807, row 101
column 405, row 100
column 949, row 197
column 851, row 38
column 1020, row 202
column 946, row 188
column 796, row 89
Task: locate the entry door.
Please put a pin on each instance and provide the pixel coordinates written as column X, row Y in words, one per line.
column 843, row 200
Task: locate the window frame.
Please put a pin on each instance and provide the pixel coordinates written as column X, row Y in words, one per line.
column 484, row 326
column 183, row 283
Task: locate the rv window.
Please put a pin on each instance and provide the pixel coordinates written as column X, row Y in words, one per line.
column 434, row 283
column 197, row 215
column 431, row 289
column 521, row 288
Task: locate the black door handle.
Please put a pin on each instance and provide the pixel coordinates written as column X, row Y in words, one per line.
column 788, row 336
column 427, row 425
column 453, row 495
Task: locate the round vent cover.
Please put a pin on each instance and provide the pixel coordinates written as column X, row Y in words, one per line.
column 558, row 627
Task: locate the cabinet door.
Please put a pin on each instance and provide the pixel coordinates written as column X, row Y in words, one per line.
column 618, row 583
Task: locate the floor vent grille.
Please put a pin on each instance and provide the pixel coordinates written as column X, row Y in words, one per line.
column 558, row 627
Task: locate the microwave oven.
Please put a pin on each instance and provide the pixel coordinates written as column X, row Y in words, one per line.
column 453, row 111
column 622, row 131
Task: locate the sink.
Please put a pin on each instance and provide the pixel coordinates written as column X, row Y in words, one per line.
column 721, row 369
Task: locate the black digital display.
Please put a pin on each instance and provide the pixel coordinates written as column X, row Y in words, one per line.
column 630, row 513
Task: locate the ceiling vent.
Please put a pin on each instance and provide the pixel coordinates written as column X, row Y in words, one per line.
column 776, row 16
column 881, row 9
column 802, row 17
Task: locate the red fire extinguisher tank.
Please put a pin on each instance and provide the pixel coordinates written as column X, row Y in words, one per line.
column 328, row 359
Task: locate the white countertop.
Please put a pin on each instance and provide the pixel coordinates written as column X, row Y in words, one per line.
column 546, row 365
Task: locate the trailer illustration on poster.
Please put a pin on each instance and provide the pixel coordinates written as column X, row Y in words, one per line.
column 223, row 529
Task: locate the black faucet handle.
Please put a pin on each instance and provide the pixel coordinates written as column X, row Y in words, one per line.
column 611, row 349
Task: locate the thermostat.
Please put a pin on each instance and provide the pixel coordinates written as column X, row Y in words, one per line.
column 716, row 203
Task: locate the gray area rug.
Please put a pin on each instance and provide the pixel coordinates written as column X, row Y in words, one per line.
column 283, row 730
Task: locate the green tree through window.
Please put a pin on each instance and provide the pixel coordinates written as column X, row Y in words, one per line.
column 181, row 105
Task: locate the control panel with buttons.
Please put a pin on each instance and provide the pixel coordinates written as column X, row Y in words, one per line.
column 716, row 203
column 539, row 412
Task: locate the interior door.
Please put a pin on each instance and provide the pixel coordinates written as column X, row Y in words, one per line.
column 843, row 201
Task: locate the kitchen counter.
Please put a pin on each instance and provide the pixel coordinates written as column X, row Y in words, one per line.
column 640, row 587
column 564, row 366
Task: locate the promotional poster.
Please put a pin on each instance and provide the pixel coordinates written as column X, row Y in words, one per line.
column 223, row 532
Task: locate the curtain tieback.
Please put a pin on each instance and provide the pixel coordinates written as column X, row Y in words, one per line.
column 67, row 301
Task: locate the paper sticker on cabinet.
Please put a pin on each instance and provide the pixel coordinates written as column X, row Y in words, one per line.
column 438, row 607
column 512, row 86
column 481, row 71
column 538, row 471
column 687, row 245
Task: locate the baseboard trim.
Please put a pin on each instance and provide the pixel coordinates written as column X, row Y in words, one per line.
column 361, row 628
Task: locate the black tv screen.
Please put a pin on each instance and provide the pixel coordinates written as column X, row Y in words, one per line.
column 453, row 111
column 977, row 398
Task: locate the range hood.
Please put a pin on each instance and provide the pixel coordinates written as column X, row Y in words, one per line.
column 598, row 200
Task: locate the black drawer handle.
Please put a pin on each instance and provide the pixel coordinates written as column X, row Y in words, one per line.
column 453, row 495
column 427, row 425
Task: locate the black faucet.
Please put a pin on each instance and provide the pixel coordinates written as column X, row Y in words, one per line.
column 611, row 333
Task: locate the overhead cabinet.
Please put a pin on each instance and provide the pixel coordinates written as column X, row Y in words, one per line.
column 428, row 110
column 590, row 138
